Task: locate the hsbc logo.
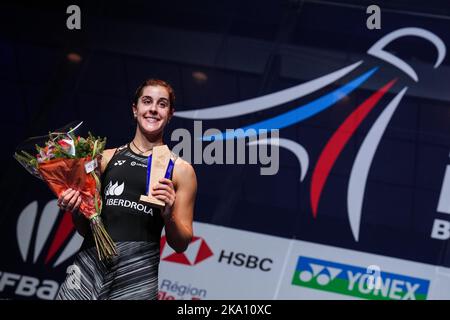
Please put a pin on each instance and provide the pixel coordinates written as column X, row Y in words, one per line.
column 197, row 251
column 249, row 261
column 37, row 242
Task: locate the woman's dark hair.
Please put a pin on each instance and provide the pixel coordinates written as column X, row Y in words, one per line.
column 155, row 82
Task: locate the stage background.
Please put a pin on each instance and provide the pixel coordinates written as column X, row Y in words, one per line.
column 256, row 236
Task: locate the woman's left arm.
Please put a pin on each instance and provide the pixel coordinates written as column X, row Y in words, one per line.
column 179, row 197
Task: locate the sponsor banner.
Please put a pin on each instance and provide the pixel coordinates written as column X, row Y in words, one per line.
column 222, row 263
column 225, row 263
column 315, row 271
column 355, row 281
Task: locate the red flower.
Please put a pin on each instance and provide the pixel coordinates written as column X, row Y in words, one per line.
column 63, row 144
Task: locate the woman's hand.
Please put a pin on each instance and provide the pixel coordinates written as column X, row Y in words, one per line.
column 165, row 192
column 69, row 200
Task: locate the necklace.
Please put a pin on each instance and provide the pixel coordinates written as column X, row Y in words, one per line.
column 141, row 152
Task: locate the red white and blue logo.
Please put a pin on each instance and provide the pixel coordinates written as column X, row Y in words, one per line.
column 62, row 244
column 333, row 148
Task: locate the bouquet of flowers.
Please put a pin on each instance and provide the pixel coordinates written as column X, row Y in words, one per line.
column 66, row 160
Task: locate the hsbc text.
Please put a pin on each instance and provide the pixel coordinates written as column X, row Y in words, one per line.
column 243, row 260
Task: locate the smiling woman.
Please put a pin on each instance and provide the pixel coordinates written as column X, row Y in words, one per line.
column 135, row 227
column 152, row 108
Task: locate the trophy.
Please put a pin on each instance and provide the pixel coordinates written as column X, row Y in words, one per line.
column 160, row 165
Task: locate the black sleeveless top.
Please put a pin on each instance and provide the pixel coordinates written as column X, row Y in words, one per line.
column 124, row 216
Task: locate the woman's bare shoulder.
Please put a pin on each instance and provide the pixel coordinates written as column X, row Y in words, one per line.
column 107, row 154
column 183, row 171
column 183, row 164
